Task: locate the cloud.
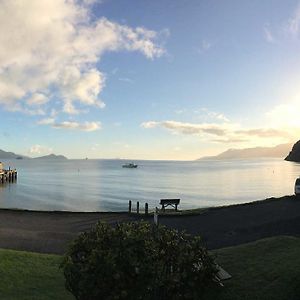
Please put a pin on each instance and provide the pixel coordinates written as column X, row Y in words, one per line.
column 72, row 125
column 38, row 149
column 86, row 126
column 189, row 128
column 205, row 46
column 150, row 124
column 293, row 23
column 37, row 99
column 221, row 133
column 49, row 51
column 127, row 80
column 230, row 140
column 211, row 115
column 268, row 34
column 288, row 31
column 263, row 132
column 46, row 121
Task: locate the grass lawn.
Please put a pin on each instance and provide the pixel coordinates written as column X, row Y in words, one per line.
column 268, row 269
column 30, row 276
column 264, row 270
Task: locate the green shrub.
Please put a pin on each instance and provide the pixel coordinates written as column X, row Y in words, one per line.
column 137, row 261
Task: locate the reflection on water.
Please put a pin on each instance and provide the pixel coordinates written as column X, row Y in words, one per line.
column 103, row 185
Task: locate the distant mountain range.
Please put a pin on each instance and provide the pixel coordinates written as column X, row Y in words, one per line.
column 279, row 151
column 11, row 155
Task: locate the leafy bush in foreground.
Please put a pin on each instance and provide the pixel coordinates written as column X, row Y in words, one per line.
column 137, row 261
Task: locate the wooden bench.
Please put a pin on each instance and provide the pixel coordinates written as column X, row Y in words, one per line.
column 169, row 202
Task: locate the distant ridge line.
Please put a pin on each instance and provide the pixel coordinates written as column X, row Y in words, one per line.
column 279, row 151
column 12, row 155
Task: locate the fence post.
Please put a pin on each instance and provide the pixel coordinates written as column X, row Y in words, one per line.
column 155, row 216
column 129, row 206
column 146, row 209
column 138, row 207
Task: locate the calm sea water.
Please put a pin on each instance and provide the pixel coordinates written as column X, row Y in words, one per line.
column 103, row 185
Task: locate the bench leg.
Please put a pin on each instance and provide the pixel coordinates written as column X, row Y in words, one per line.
column 175, row 207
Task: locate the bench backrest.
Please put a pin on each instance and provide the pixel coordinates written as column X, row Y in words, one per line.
column 169, row 201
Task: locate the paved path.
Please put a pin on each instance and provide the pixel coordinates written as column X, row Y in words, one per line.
column 50, row 232
column 237, row 224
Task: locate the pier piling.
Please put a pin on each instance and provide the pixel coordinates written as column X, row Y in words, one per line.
column 7, row 175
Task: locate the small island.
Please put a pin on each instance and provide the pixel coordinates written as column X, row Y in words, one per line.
column 52, row 157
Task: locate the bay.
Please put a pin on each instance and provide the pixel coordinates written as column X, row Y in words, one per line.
column 103, row 185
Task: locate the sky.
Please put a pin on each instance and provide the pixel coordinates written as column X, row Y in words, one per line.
column 139, row 79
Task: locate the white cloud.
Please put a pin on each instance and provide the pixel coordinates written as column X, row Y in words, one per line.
column 286, row 32
column 263, row 132
column 205, row 46
column 180, row 111
column 127, row 80
column 37, row 99
column 49, row 50
column 211, row 115
column 46, row 121
column 293, row 24
column 223, row 132
column 38, row 149
column 189, row 128
column 268, row 34
column 86, row 126
column 150, row 124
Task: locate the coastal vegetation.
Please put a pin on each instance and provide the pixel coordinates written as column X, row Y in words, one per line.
column 138, row 260
column 265, row 269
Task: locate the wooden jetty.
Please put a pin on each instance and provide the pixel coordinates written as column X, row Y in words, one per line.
column 7, row 175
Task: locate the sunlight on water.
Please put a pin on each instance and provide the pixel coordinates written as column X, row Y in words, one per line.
column 103, row 185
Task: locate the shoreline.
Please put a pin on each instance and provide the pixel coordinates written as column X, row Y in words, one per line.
column 169, row 212
column 222, row 226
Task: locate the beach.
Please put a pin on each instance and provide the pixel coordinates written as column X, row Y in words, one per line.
column 51, row 232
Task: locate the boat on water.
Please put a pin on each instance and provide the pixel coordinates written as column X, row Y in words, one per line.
column 130, row 165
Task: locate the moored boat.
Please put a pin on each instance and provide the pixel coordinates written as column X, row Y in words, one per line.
column 130, row 165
